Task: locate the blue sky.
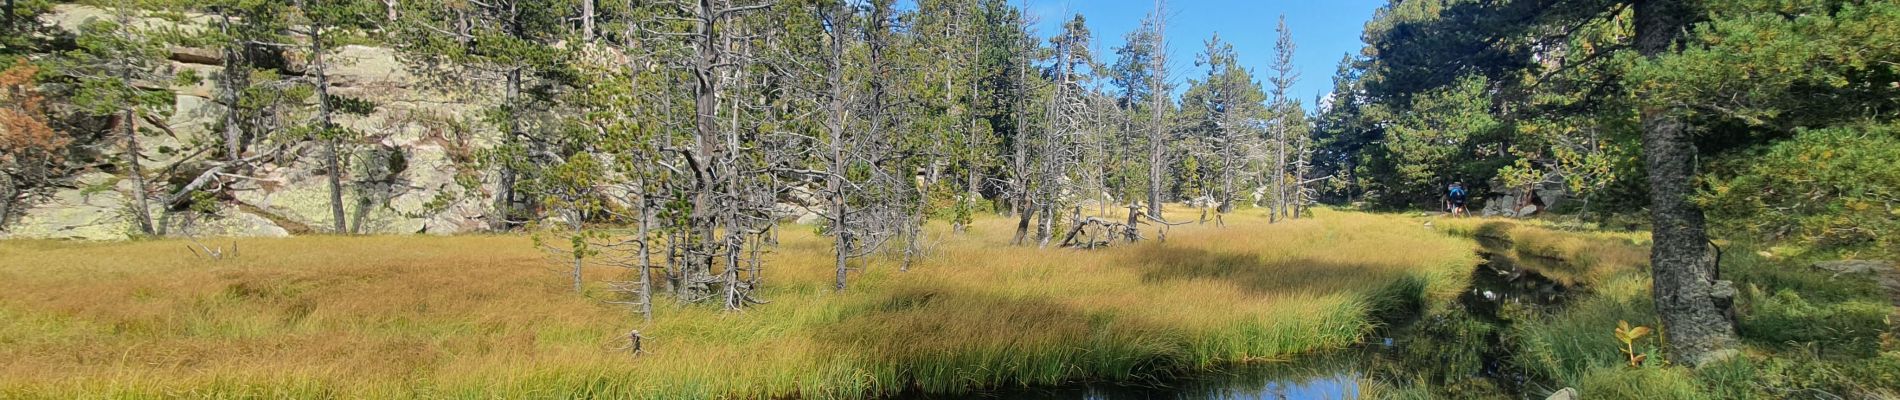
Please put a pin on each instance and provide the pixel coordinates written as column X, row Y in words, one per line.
column 1324, row 30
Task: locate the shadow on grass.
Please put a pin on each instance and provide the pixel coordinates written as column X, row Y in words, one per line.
column 1258, row 274
column 944, row 340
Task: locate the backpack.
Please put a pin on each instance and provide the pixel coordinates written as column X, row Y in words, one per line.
column 1457, row 192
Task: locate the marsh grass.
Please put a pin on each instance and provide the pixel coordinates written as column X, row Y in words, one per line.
column 491, row 316
column 1567, row 256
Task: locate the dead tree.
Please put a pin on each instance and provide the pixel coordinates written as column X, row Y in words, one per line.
column 1060, row 144
column 1157, row 129
column 1101, row 232
column 1282, row 81
column 716, row 168
column 864, row 213
column 833, row 17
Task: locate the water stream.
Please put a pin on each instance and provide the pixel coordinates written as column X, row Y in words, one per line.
column 1455, row 352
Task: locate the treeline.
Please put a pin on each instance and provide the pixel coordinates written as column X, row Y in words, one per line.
column 1768, row 120
column 688, row 127
column 1509, row 97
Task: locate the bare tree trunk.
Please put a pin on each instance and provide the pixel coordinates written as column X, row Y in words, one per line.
column 973, row 180
column 1229, row 161
column 707, row 58
column 235, row 77
column 675, row 267
column 1020, row 168
column 914, row 232
column 1045, row 224
column 645, row 233
column 1132, row 232
column 363, row 203
column 835, row 125
column 587, row 20
column 1157, row 133
column 733, row 245
column 331, row 160
column 143, row 214
column 841, row 234
column 505, row 189
column 1282, row 109
column 1300, row 169
column 574, row 222
column 1689, row 297
column 1023, row 208
column 1279, row 169
column 1022, row 223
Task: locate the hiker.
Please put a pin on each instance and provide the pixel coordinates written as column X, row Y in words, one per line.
column 1455, row 199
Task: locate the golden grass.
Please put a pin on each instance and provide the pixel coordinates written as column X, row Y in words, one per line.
column 1569, row 257
column 491, row 316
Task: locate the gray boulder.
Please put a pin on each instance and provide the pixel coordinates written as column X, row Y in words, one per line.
column 1854, row 267
column 97, row 209
column 1563, row 394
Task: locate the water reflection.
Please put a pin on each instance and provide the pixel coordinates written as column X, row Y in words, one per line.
column 1258, row 382
column 1453, row 351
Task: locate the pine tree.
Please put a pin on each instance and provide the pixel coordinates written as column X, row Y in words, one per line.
column 324, row 23
column 1225, row 106
column 507, row 40
column 106, row 76
column 1284, row 77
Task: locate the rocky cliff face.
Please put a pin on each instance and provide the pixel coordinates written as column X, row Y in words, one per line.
column 413, row 173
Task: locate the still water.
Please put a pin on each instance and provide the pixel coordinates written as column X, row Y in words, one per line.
column 1254, row 383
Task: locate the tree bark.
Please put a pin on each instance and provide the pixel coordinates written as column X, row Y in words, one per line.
column 646, row 255
column 1045, row 224
column 1279, row 169
column 1157, row 126
column 1025, row 209
column 331, row 159
column 707, row 57
column 587, row 20
column 834, row 124
column 1688, row 295
column 1022, row 223
column 574, row 223
column 505, row 189
column 143, row 214
column 236, row 76
column 1229, row 161
column 1301, row 167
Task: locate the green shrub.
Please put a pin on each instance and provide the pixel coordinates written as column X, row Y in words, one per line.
column 1833, row 187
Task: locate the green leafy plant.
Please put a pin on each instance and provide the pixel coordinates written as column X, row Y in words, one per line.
column 1629, row 335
